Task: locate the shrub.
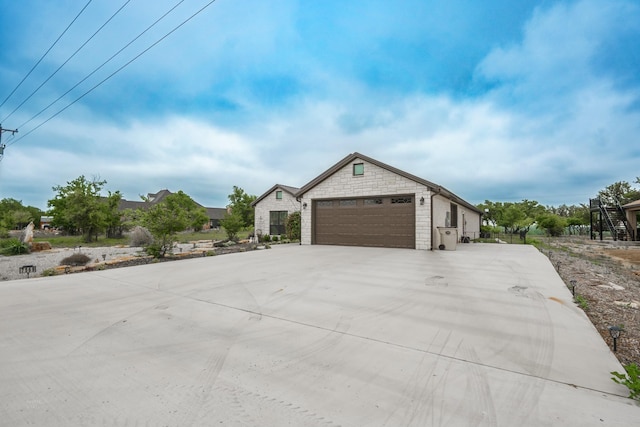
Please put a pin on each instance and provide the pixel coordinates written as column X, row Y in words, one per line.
column 140, row 236
column 630, row 379
column 13, row 246
column 275, row 238
column 76, row 259
column 155, row 250
column 293, row 224
column 266, row 238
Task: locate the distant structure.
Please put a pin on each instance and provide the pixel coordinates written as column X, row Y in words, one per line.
column 214, row 214
column 620, row 220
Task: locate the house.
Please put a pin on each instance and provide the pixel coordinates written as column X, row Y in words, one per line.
column 361, row 201
column 272, row 209
column 214, row 214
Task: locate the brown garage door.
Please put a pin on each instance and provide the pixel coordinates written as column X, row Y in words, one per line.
column 373, row 221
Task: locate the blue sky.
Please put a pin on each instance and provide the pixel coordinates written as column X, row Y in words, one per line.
column 496, row 100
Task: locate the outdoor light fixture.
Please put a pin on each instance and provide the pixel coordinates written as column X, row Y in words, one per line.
column 615, row 334
column 304, row 205
column 572, row 283
column 421, row 201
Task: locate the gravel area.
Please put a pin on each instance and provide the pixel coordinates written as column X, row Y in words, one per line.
column 10, row 265
column 607, row 279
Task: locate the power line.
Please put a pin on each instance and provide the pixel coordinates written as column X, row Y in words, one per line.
column 45, row 54
column 68, row 59
column 100, row 66
column 116, row 71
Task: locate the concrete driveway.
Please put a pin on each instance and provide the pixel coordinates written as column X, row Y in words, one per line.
column 308, row 336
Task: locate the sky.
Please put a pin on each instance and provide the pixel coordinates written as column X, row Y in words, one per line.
column 494, row 100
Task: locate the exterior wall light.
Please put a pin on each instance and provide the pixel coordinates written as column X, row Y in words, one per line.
column 615, row 334
column 421, row 201
column 304, row 205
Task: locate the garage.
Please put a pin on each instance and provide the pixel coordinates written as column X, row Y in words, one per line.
column 385, row 221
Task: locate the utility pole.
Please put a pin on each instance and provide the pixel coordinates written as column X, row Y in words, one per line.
column 2, row 146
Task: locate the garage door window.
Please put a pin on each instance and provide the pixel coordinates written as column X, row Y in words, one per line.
column 325, row 203
column 347, row 203
column 398, row 200
column 276, row 222
column 373, row 202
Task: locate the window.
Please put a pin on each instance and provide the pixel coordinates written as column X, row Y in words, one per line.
column 346, row 203
column 372, row 202
column 358, row 169
column 324, row 203
column 454, row 215
column 279, row 195
column 396, row 200
column 276, row 222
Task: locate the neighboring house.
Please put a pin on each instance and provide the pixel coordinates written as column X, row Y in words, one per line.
column 360, row 201
column 45, row 222
column 214, row 214
column 272, row 209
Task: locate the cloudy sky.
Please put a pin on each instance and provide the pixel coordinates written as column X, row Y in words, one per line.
column 500, row 99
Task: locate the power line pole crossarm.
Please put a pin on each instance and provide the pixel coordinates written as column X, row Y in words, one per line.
column 2, row 146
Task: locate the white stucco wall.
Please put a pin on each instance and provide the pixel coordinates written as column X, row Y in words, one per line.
column 376, row 181
column 270, row 203
column 468, row 220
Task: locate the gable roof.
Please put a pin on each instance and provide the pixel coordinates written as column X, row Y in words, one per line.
column 155, row 198
column 354, row 156
column 287, row 188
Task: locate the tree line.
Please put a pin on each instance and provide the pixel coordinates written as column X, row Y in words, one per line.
column 519, row 217
column 79, row 208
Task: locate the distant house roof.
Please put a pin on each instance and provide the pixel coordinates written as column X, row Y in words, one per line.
column 155, row 198
column 353, row 156
column 287, row 188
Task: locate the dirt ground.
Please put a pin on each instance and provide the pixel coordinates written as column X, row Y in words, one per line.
column 607, row 279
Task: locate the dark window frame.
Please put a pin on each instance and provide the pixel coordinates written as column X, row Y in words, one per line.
column 279, row 195
column 277, row 221
column 360, row 172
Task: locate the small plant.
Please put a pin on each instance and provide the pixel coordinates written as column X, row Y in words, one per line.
column 49, row 272
column 266, row 238
column 582, row 302
column 140, row 236
column 275, row 238
column 630, row 379
column 76, row 259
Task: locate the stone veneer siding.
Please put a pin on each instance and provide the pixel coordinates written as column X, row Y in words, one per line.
column 376, row 181
column 270, row 203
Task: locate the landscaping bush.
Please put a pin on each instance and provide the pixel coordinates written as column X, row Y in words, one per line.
column 13, row 246
column 293, row 224
column 76, row 259
column 140, row 236
column 266, row 238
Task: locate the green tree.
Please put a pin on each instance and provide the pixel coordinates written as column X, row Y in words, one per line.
column 14, row 215
column 620, row 191
column 112, row 216
column 175, row 213
column 293, row 224
column 79, row 208
column 232, row 224
column 553, row 224
column 240, row 203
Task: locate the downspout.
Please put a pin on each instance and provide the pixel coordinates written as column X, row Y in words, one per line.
column 431, row 207
column 299, row 200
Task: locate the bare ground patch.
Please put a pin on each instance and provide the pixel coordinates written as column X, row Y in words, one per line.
column 607, row 276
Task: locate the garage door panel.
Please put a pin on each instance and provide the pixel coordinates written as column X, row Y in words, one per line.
column 366, row 222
